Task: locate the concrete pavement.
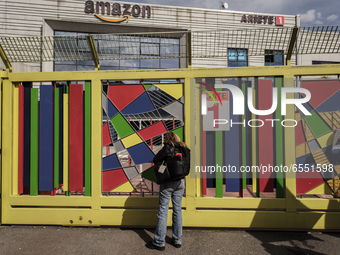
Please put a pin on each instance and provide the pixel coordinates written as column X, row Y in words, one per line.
column 82, row 240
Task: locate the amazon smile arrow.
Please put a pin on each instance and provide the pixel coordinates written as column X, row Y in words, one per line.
column 126, row 17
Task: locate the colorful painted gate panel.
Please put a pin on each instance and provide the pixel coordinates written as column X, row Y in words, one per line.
column 314, row 139
column 136, row 117
column 47, row 161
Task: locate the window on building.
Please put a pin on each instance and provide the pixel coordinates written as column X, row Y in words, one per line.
column 128, row 49
column 318, row 62
column 273, row 58
column 237, row 57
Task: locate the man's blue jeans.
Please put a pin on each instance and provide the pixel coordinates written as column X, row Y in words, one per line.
column 173, row 190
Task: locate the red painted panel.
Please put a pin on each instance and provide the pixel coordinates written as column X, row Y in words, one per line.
column 307, row 181
column 204, row 162
column 320, row 90
column 106, row 135
column 113, row 178
column 21, row 140
column 266, row 183
column 299, row 136
column 152, row 131
column 122, row 95
column 76, row 137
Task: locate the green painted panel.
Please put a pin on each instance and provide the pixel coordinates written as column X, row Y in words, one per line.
column 279, row 141
column 179, row 132
column 56, row 137
column 87, row 139
column 122, row 127
column 34, row 142
column 149, row 174
column 317, row 125
column 219, row 162
column 146, row 86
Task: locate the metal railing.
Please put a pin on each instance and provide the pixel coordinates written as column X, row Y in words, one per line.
column 189, row 44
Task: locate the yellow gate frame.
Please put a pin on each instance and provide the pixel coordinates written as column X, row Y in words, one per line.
column 288, row 213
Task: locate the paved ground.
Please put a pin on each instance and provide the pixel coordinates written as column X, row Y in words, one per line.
column 79, row 240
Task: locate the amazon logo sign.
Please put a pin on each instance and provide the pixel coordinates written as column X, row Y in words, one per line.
column 120, row 12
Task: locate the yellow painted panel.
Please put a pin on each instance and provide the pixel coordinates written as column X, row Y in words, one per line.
column 96, row 142
column 321, row 189
column 318, row 204
column 259, row 71
column 7, row 147
column 15, row 173
column 65, row 142
column 125, row 187
column 47, row 200
column 131, row 140
column 189, row 139
column 326, row 140
column 289, row 150
column 121, row 201
column 147, row 217
column 174, row 90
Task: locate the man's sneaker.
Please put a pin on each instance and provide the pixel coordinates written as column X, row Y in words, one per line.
column 177, row 245
column 151, row 246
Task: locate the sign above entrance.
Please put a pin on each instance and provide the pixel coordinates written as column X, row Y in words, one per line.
column 120, row 12
column 262, row 19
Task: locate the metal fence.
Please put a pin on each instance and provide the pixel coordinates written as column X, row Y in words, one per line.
column 190, row 44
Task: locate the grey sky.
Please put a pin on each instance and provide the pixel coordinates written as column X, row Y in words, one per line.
column 312, row 12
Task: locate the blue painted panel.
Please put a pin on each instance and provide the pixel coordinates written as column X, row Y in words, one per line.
column 111, row 109
column 46, row 138
column 141, row 154
column 330, row 105
column 111, row 162
column 306, row 160
column 232, row 154
column 139, row 105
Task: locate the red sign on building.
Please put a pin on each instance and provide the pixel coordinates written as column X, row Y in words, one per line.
column 280, row 20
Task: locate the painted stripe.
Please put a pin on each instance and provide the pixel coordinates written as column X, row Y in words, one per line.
column 87, row 141
column 15, row 114
column 46, row 138
column 232, row 141
column 204, row 162
column 34, row 143
column 27, row 132
column 61, row 128
column 56, row 137
column 219, row 162
column 254, row 144
column 76, row 143
column 279, row 141
column 65, row 143
column 21, row 140
column 244, row 142
column 265, row 136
